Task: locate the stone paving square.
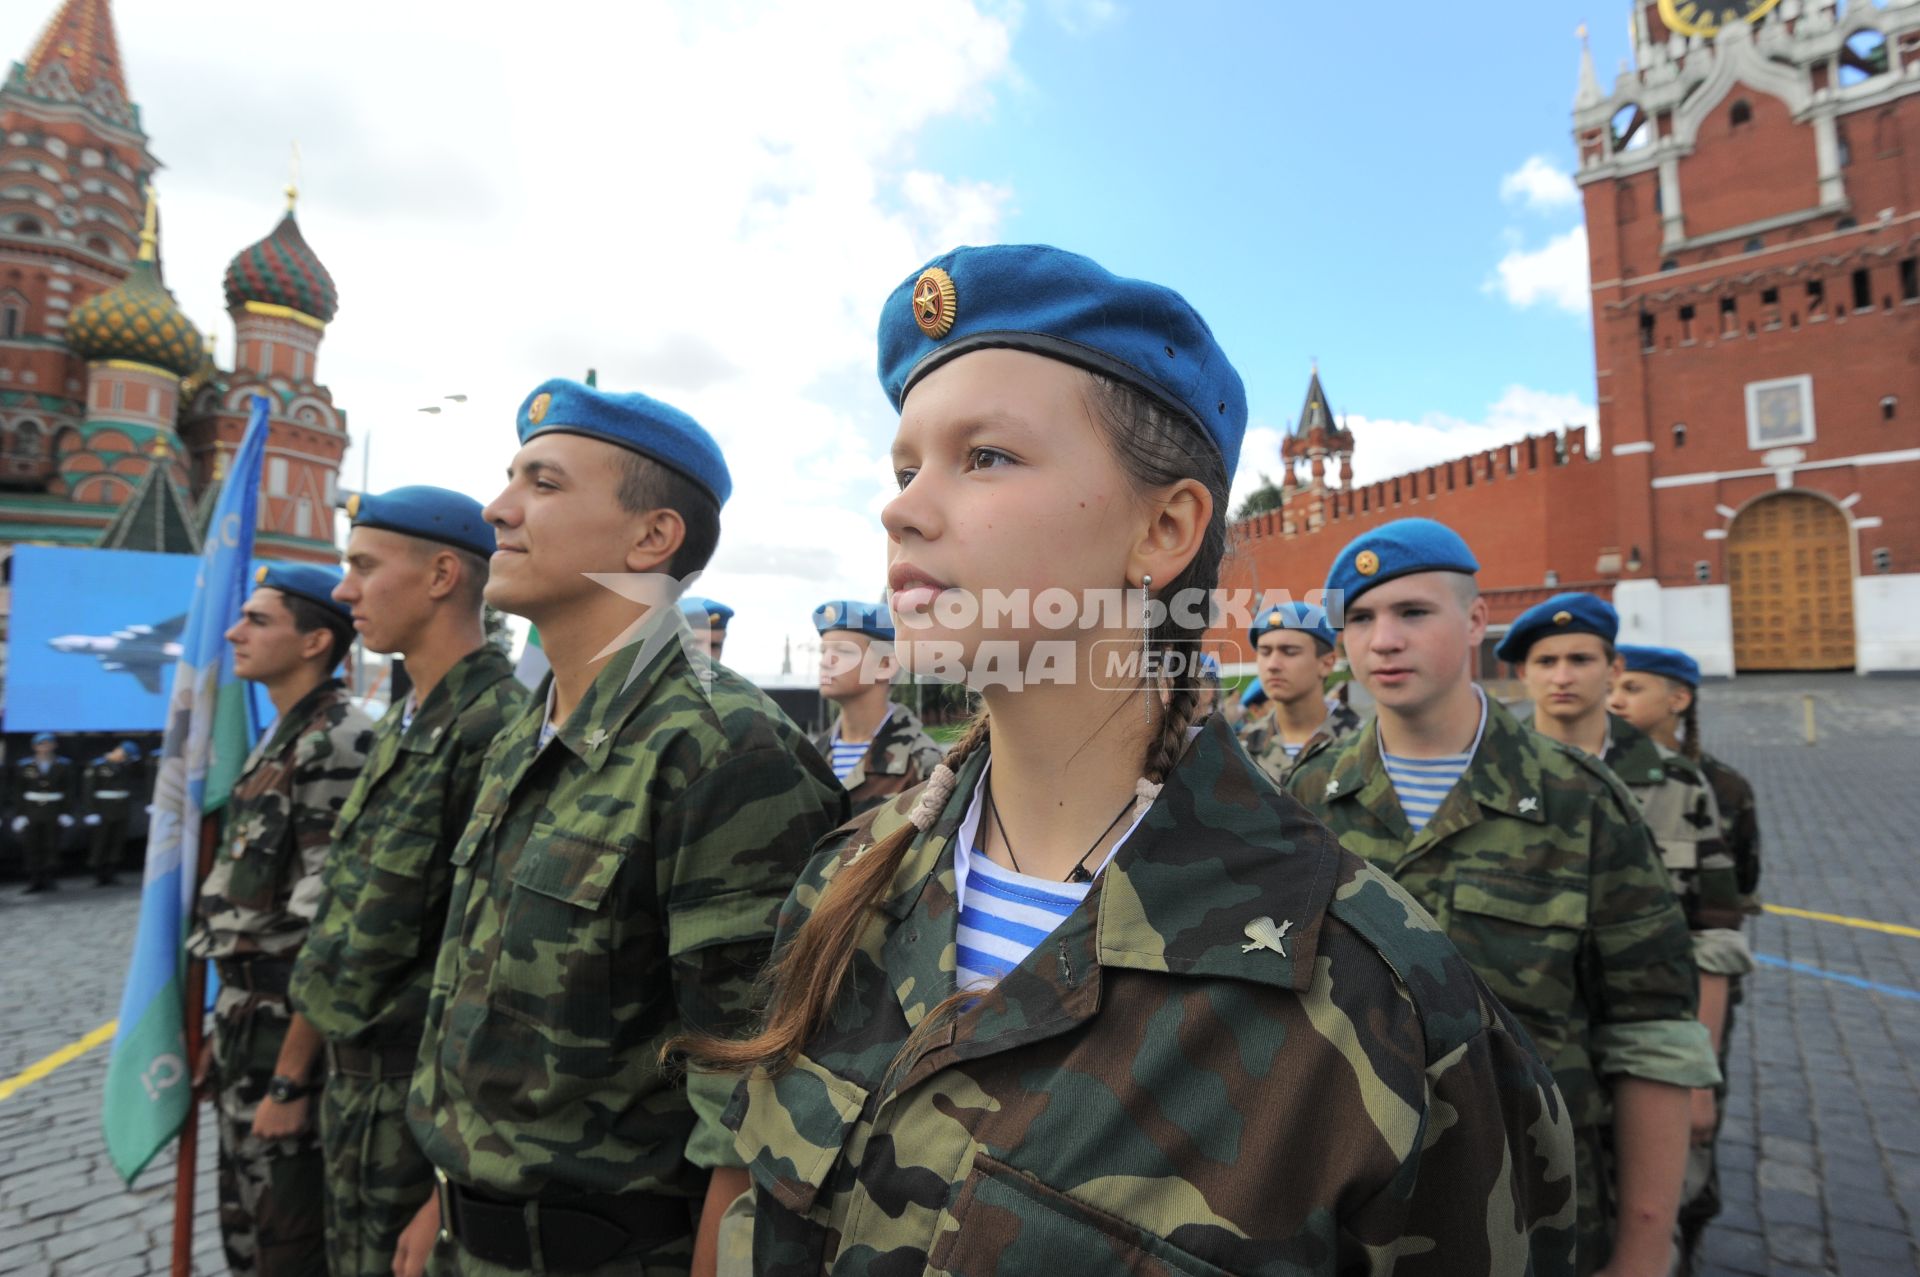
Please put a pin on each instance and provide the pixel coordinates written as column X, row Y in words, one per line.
column 1820, row 1152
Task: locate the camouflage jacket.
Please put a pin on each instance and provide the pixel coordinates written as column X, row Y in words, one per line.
column 1262, row 741
column 265, row 884
column 612, row 888
column 900, row 757
column 1539, row 867
column 1685, row 823
column 1739, row 828
column 1150, row 1093
column 29, row 779
column 110, row 789
column 364, row 974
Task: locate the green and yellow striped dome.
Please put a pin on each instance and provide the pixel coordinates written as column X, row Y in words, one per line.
column 138, row 319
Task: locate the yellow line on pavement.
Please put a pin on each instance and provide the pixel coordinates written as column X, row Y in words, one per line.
column 65, row 1055
column 1865, row 924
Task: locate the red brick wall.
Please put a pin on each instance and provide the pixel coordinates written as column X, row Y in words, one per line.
column 1741, row 173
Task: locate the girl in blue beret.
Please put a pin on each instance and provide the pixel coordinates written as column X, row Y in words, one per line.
column 1097, row 998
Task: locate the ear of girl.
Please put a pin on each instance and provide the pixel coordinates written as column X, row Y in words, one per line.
column 1098, row 987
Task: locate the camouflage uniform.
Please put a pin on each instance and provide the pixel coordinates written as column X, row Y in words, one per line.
column 250, row 921
column 108, row 790
column 612, row 888
column 364, row 975
column 900, row 757
column 1540, row 869
column 42, row 797
column 1740, row 835
column 1149, row 1093
column 1264, row 745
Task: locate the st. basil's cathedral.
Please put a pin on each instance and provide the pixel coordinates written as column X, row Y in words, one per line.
column 116, row 421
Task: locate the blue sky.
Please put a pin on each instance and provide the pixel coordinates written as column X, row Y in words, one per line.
column 1317, row 184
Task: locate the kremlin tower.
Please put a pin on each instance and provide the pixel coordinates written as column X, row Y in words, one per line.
column 115, row 421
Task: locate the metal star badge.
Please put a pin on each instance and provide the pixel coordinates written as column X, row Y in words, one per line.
column 1265, row 935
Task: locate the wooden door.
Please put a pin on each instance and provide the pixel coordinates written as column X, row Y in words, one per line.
column 1790, row 565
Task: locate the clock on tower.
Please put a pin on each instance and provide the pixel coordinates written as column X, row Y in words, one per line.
column 1705, row 17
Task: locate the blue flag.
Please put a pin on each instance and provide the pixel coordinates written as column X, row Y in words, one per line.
column 209, row 734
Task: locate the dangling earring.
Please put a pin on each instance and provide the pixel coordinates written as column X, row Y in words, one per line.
column 1148, row 682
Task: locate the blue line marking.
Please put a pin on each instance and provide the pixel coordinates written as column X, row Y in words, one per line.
column 1801, row 968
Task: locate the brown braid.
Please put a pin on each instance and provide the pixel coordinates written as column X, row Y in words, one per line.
column 1690, row 727
column 1183, row 706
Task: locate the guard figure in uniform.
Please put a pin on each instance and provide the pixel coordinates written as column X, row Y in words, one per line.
column 107, row 792
column 636, row 830
column 708, row 619
column 43, row 784
column 877, row 747
column 253, row 914
column 1535, row 861
column 416, row 569
column 1294, row 650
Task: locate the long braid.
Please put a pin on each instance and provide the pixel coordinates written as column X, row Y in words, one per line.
column 1690, row 728
column 1183, row 706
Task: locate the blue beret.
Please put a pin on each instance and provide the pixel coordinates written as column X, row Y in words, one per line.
column 435, row 514
column 304, row 580
column 1209, row 665
column 44, row 738
column 1254, row 695
column 1050, row 302
column 1308, row 617
column 1400, row 548
column 1570, row 613
column 131, row 750
column 1670, row 662
column 709, row 613
column 875, row 620
column 634, row 421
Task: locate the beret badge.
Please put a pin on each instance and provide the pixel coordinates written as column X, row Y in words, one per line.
column 353, row 506
column 1366, row 563
column 537, row 410
column 934, row 302
column 1563, row 618
column 260, row 574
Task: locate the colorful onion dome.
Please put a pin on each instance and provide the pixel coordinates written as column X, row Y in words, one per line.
column 281, row 270
column 138, row 319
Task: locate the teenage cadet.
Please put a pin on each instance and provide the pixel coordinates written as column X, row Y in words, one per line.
column 1658, row 692
column 876, row 746
column 636, row 829
column 254, row 910
column 1536, row 862
column 1097, row 998
column 708, row 619
column 1293, row 646
column 43, row 802
column 107, row 793
column 415, row 568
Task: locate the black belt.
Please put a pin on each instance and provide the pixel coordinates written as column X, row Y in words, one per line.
column 577, row 1234
column 256, row 975
column 371, row 1061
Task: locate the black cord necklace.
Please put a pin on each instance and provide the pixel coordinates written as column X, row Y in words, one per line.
column 1079, row 872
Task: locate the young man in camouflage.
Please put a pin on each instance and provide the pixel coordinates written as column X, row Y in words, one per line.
column 416, row 567
column 1293, row 647
column 636, row 831
column 107, row 791
column 876, row 747
column 253, row 913
column 42, row 811
column 1534, row 860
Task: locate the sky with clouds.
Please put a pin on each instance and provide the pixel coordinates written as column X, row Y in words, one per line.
column 710, row 201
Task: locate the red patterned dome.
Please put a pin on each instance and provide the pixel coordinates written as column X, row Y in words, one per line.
column 282, row 271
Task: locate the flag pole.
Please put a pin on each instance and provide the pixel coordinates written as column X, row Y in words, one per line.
column 186, row 1165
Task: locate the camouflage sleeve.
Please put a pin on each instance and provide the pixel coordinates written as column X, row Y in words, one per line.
column 325, row 766
column 1646, row 994
column 737, row 838
column 1719, row 946
column 1741, row 820
column 1505, row 1165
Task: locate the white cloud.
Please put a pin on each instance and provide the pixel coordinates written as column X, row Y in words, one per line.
column 1384, row 447
column 1555, row 273
column 709, row 203
column 1540, row 186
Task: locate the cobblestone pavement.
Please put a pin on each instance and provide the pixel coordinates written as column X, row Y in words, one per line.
column 1821, row 1149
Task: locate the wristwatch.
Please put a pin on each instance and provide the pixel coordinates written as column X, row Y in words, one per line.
column 284, row 1090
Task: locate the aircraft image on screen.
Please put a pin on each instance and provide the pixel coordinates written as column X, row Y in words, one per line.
column 144, row 651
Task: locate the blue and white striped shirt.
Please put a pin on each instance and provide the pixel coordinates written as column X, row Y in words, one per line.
column 1422, row 784
column 846, row 755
